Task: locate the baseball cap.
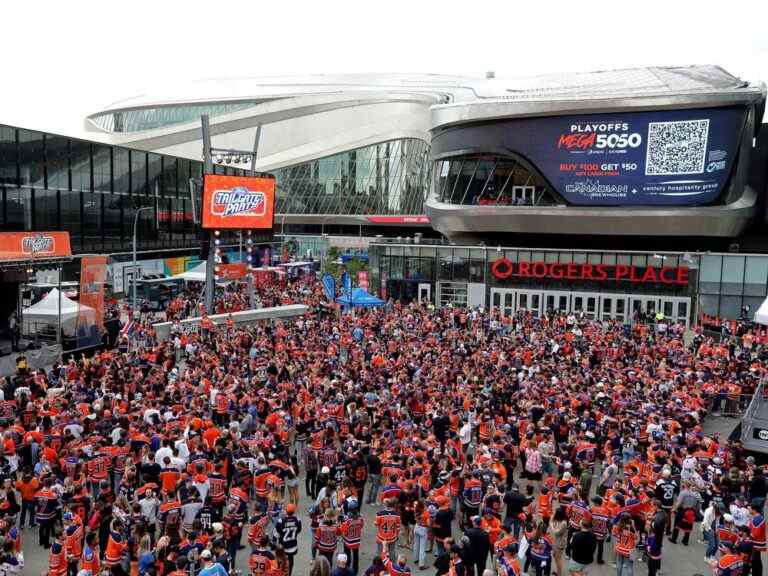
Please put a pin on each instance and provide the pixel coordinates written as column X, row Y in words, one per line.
column 290, row 508
column 205, row 554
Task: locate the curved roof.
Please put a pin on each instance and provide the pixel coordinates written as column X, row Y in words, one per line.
column 183, row 103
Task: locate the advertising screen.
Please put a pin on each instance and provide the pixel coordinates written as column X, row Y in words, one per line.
column 245, row 202
column 663, row 157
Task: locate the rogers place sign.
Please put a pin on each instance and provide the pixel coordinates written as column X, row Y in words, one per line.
column 504, row 268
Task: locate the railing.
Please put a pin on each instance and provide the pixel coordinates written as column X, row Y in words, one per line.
column 730, row 405
column 751, row 418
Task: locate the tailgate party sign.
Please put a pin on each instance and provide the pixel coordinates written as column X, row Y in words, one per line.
column 245, row 202
column 663, row 157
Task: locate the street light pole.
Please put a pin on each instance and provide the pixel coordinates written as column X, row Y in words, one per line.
column 135, row 224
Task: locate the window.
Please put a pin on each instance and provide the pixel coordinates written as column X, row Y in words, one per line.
column 31, row 159
column 18, row 209
column 169, row 177
column 138, row 173
column 80, row 159
column 57, row 162
column 102, row 168
column 9, row 156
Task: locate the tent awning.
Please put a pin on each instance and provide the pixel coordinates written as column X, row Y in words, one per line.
column 761, row 316
column 360, row 298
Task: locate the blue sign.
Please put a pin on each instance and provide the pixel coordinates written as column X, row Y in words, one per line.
column 676, row 157
column 329, row 286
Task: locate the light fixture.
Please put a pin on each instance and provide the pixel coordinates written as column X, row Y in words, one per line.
column 217, row 232
column 219, row 158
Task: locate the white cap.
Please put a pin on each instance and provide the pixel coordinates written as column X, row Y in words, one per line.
column 567, row 476
column 325, row 470
column 342, row 558
column 727, row 517
column 205, row 554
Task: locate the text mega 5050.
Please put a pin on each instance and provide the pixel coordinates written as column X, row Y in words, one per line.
column 238, row 202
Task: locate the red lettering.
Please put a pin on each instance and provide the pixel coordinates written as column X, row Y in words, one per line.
column 601, row 272
column 667, row 275
column 633, row 277
column 579, row 141
column 556, row 271
column 539, row 270
column 502, row 268
column 524, row 269
column 586, row 272
column 622, row 271
column 682, row 275
column 571, row 271
column 649, row 275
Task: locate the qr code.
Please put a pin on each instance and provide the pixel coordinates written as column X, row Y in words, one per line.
column 676, row 148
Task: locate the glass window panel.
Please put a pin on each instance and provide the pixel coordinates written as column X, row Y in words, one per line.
column 31, row 158
column 46, row 210
column 113, row 222
column 733, row 275
column 461, row 265
column 579, row 258
column 609, row 259
column 70, row 215
column 594, row 258
column 169, row 187
column 138, row 172
column 92, row 221
column 121, row 171
column 102, row 168
column 155, row 169
column 18, row 207
column 711, row 268
column 80, row 161
column 624, row 259
column 756, row 275
column 9, row 156
column 57, row 162
column 640, row 260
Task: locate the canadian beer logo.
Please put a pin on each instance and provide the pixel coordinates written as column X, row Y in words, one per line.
column 36, row 245
column 239, row 201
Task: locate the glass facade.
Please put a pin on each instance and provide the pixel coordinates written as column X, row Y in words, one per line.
column 720, row 285
column 387, row 178
column 150, row 118
column 92, row 190
column 482, row 179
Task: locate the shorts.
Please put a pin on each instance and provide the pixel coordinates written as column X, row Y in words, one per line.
column 574, row 566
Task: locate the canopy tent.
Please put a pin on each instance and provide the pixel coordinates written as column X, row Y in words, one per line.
column 361, row 299
column 196, row 274
column 761, row 316
column 46, row 313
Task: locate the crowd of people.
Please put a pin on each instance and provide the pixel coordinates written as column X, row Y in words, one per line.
column 484, row 444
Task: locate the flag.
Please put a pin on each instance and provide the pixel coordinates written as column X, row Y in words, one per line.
column 346, row 283
column 329, row 286
column 127, row 329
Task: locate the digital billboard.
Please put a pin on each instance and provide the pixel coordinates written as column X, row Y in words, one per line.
column 663, row 157
column 243, row 202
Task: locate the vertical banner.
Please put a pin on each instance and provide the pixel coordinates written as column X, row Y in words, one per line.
column 93, row 273
column 265, row 257
column 329, row 287
column 362, row 279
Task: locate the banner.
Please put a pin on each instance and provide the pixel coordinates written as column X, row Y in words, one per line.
column 362, row 279
column 329, row 286
column 93, row 274
column 231, row 271
column 243, row 202
column 346, row 283
column 27, row 245
column 663, row 157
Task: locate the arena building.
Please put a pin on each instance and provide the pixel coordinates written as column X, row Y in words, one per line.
column 642, row 153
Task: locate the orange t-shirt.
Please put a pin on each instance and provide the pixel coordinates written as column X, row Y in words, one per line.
column 28, row 489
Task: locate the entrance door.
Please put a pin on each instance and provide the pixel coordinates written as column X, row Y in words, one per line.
column 503, row 300
column 645, row 305
column 557, row 302
column 529, row 300
column 585, row 302
column 425, row 293
column 676, row 309
column 614, row 307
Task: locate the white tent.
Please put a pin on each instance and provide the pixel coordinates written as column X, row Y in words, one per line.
column 196, row 274
column 46, row 313
column 761, row 316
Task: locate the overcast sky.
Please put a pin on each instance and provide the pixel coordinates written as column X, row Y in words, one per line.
column 63, row 60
